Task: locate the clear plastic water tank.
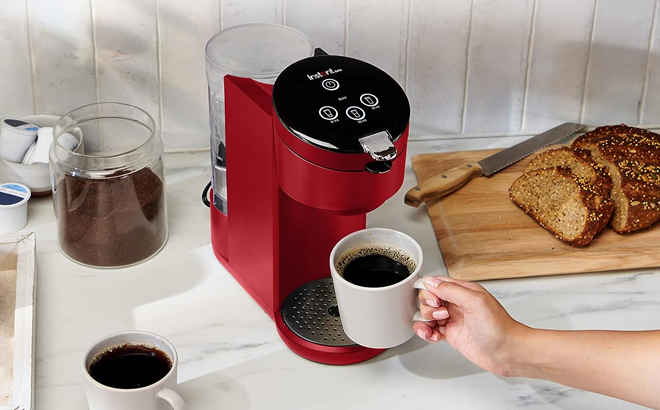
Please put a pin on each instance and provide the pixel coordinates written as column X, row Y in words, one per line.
column 256, row 51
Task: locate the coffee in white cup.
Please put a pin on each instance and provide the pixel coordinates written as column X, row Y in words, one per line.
column 132, row 370
column 378, row 311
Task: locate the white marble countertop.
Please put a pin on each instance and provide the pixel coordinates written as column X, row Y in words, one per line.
column 231, row 357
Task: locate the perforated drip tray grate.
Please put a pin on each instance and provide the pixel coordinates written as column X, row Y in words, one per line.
column 311, row 312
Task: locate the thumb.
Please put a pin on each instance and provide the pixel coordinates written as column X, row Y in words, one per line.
column 451, row 291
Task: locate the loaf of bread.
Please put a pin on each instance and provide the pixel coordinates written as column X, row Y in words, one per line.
column 569, row 206
column 632, row 158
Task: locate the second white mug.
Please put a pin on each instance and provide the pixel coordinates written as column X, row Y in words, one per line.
column 157, row 396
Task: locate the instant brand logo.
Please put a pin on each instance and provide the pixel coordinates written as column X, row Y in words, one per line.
column 322, row 74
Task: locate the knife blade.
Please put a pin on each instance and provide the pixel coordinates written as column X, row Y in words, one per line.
column 449, row 181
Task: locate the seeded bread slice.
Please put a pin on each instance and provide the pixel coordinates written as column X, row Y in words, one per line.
column 632, row 158
column 564, row 204
column 579, row 161
column 580, row 164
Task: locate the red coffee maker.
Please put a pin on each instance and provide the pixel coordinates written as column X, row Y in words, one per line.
column 306, row 159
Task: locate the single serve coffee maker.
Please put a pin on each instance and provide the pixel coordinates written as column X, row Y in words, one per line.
column 303, row 146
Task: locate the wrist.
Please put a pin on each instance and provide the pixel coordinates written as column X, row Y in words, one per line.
column 517, row 354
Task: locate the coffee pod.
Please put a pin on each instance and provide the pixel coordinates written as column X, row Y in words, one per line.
column 38, row 152
column 67, row 140
column 27, row 159
column 13, row 207
column 16, row 137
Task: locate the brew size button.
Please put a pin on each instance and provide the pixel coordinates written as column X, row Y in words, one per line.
column 328, row 113
column 355, row 113
column 369, row 100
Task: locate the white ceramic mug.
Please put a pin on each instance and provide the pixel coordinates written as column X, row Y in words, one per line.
column 157, row 396
column 378, row 317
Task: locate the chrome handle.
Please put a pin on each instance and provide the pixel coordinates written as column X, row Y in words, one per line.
column 379, row 146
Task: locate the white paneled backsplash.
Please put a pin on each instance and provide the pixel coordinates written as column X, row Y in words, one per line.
column 470, row 67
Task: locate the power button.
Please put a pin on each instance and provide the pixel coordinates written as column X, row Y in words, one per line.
column 330, row 84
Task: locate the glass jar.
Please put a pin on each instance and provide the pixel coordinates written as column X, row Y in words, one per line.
column 109, row 193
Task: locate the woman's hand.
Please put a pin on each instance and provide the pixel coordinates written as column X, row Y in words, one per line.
column 615, row 363
column 471, row 320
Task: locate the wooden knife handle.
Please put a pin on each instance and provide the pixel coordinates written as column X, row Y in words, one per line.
column 443, row 184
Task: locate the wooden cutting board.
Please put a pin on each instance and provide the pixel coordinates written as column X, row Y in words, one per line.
column 483, row 235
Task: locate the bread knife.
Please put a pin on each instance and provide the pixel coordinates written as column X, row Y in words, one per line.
column 449, row 181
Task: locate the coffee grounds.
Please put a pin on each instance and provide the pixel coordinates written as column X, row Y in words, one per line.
column 116, row 221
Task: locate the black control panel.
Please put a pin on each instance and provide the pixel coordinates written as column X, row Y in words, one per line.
column 333, row 101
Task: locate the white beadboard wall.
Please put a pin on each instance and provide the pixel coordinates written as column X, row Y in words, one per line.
column 470, row 67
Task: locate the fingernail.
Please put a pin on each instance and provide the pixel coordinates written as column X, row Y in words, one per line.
column 434, row 337
column 440, row 314
column 432, row 281
column 431, row 302
column 421, row 334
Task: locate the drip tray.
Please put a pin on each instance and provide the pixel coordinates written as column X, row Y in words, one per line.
column 311, row 312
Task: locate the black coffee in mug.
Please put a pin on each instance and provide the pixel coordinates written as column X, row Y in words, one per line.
column 130, row 366
column 375, row 265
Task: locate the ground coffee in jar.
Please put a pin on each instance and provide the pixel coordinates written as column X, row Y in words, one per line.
column 114, row 221
column 109, row 193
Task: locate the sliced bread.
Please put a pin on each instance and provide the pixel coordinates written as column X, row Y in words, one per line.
column 565, row 204
column 632, row 158
column 579, row 161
